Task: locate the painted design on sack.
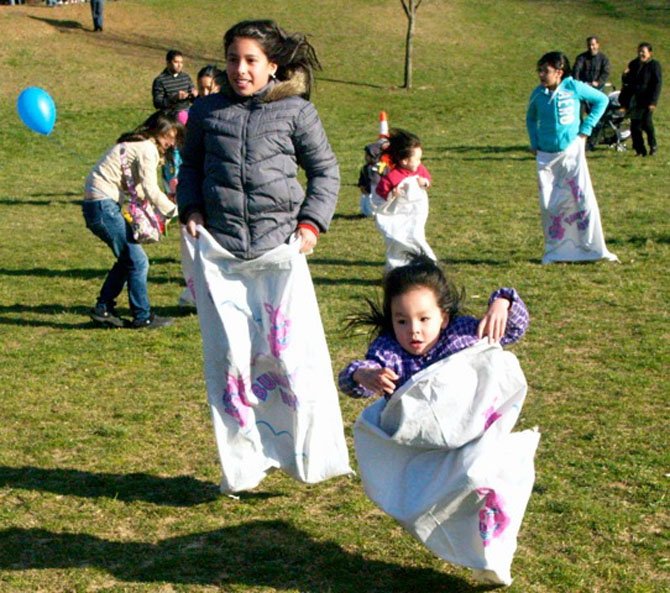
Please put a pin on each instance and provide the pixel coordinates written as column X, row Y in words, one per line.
column 556, row 230
column 492, row 518
column 278, row 338
column 269, row 381
column 235, row 402
column 576, row 191
column 190, row 283
column 276, row 433
column 491, row 415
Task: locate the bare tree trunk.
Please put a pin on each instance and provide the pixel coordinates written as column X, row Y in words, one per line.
column 410, row 7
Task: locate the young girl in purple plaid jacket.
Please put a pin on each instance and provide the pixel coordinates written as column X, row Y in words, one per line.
column 420, row 322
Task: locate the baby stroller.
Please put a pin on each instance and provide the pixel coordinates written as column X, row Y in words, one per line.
column 613, row 128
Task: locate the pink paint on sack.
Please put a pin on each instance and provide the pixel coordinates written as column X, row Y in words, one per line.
column 235, row 402
column 492, row 518
column 278, row 338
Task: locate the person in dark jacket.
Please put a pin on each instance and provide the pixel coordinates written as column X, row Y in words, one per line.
column 642, row 82
column 173, row 88
column 592, row 66
column 239, row 172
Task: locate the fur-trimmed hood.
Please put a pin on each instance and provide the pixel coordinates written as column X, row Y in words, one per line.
column 296, row 85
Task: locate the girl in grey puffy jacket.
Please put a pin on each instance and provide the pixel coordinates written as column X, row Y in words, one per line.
column 244, row 146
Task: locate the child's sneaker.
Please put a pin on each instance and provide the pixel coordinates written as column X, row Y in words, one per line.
column 153, row 322
column 104, row 316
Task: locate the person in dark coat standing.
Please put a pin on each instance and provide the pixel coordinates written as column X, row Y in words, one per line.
column 642, row 82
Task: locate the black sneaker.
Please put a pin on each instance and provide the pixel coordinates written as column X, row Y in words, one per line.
column 653, row 150
column 154, row 322
column 104, row 316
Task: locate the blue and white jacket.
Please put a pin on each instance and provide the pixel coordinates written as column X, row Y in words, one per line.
column 553, row 117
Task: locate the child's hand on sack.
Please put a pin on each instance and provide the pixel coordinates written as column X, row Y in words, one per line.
column 494, row 323
column 193, row 221
column 307, row 240
column 423, row 183
column 377, row 380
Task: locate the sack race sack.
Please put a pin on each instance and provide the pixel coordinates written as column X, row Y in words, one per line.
column 187, row 245
column 401, row 221
column 267, row 367
column 440, row 458
column 570, row 214
column 147, row 223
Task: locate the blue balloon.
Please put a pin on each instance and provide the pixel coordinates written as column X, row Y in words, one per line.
column 37, row 110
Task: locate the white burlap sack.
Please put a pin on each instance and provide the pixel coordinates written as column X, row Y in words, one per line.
column 187, row 249
column 268, row 372
column 444, row 464
column 570, row 214
column 402, row 221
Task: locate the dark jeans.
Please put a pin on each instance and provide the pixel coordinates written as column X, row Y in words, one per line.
column 641, row 120
column 104, row 219
column 97, row 7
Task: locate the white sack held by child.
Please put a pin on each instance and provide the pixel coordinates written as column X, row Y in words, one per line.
column 401, row 221
column 570, row 215
column 187, row 249
column 440, row 458
column 267, row 367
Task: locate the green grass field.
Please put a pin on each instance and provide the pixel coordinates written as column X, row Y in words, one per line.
column 108, row 469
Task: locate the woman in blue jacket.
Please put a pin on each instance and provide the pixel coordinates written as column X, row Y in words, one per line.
column 570, row 215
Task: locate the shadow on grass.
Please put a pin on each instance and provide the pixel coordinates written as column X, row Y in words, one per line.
column 486, row 153
column 8, row 313
column 639, row 240
column 87, row 273
column 126, row 43
column 356, row 216
column 257, row 554
column 345, row 262
column 354, row 83
column 37, row 202
column 60, row 24
column 349, row 281
column 181, row 491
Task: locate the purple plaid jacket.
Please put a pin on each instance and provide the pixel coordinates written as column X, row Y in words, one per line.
column 386, row 352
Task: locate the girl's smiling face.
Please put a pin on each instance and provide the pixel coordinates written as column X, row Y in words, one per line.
column 417, row 320
column 247, row 67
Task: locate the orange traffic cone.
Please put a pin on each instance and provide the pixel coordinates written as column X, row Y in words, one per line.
column 383, row 125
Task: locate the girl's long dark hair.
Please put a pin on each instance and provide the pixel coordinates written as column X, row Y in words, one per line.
column 158, row 123
column 290, row 51
column 557, row 60
column 420, row 272
column 401, row 145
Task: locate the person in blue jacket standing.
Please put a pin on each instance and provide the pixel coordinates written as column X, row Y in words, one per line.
column 570, row 215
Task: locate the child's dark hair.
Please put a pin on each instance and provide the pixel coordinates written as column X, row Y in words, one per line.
column 557, row 60
column 420, row 272
column 172, row 54
column 401, row 145
column 157, row 124
column 209, row 70
column 290, row 51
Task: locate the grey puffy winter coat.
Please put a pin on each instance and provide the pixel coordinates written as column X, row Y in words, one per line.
column 240, row 168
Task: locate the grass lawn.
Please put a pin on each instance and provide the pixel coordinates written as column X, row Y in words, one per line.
column 108, row 468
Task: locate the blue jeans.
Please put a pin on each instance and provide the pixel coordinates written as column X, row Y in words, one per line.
column 104, row 219
column 97, row 7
